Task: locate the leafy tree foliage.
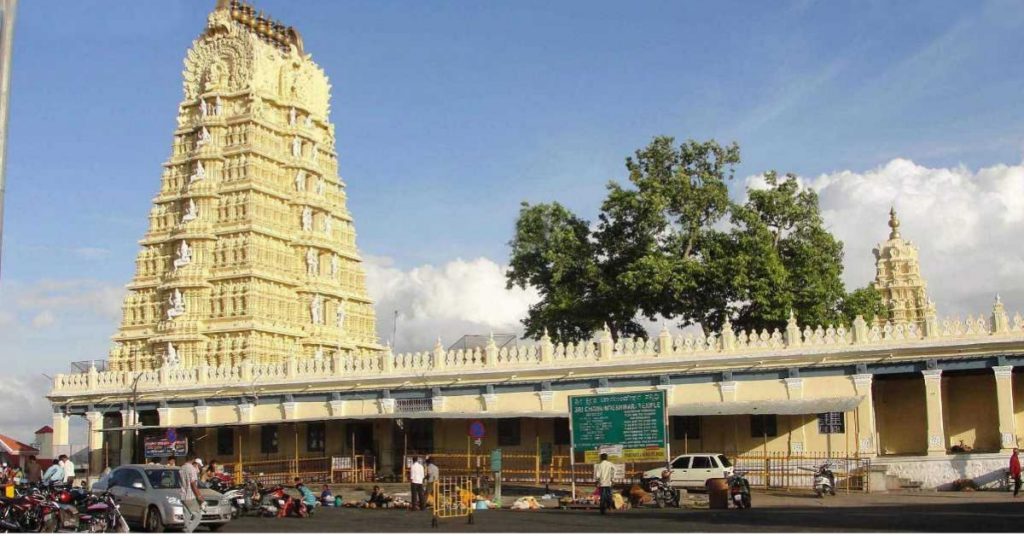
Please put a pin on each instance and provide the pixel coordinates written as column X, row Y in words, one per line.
column 674, row 244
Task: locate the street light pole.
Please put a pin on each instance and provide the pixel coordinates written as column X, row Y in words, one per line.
column 8, row 8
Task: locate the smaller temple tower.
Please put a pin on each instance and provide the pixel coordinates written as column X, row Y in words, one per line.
column 898, row 278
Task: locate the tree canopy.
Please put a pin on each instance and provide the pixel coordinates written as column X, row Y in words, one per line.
column 673, row 244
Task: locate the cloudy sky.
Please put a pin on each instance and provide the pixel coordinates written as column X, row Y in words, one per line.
column 449, row 113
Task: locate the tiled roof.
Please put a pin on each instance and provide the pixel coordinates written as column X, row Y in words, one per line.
column 45, row 430
column 15, row 447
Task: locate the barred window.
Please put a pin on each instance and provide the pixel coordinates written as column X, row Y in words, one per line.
column 763, row 426
column 686, row 427
column 225, row 441
column 269, row 439
column 833, row 422
column 509, row 432
column 316, row 437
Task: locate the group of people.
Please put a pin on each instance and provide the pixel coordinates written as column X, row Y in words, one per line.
column 60, row 472
column 421, row 475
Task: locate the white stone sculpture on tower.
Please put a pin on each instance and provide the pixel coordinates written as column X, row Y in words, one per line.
column 296, row 147
column 184, row 255
column 312, row 262
column 309, row 121
column 204, row 137
column 203, row 109
column 217, row 106
column 191, row 211
column 199, row 174
column 339, row 316
column 321, row 186
column 171, row 358
column 300, row 180
column 307, row 219
column 316, row 309
column 335, row 262
column 291, row 116
column 313, row 153
column 328, row 224
column 177, row 305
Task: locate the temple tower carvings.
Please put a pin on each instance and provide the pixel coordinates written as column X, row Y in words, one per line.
column 898, row 278
column 250, row 252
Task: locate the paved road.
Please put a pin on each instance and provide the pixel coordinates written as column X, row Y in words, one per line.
column 917, row 513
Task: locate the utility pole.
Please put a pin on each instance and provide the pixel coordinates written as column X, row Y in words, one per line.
column 8, row 8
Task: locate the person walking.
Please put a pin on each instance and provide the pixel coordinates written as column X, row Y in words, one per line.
column 34, row 472
column 1015, row 471
column 191, row 497
column 416, row 475
column 604, row 472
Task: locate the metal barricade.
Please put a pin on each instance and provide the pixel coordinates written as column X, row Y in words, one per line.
column 452, row 497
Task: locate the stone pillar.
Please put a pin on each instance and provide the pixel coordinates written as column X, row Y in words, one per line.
column 128, row 420
column 866, row 446
column 96, row 461
column 61, row 437
column 1004, row 401
column 933, row 406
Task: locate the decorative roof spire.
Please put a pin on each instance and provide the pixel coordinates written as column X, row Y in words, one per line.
column 894, row 224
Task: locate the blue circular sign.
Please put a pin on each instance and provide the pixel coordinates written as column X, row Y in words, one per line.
column 172, row 435
column 476, row 430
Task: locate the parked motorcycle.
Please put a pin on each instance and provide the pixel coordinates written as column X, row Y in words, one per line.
column 274, row 502
column 824, row 480
column 30, row 511
column 244, row 499
column 739, row 490
column 663, row 493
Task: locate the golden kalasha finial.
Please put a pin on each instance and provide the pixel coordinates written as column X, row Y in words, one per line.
column 894, row 224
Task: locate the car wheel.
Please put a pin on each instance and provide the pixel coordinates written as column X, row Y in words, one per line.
column 153, row 521
column 660, row 501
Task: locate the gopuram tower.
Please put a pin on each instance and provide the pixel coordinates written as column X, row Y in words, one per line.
column 250, row 252
column 898, row 278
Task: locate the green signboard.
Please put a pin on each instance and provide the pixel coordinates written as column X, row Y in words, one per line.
column 633, row 422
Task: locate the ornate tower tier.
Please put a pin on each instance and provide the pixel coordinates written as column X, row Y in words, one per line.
column 898, row 278
column 251, row 251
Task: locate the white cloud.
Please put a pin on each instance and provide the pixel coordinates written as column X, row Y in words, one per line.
column 58, row 296
column 459, row 298
column 23, row 409
column 967, row 225
column 44, row 319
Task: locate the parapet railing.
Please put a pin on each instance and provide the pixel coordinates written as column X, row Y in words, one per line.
column 546, row 354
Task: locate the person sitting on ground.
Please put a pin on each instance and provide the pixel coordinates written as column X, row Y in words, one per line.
column 326, row 496
column 377, row 498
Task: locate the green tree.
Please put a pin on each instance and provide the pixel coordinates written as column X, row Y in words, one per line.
column 673, row 244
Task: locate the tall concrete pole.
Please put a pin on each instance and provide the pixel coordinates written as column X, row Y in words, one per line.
column 8, row 8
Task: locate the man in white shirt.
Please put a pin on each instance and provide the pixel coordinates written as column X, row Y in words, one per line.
column 604, row 472
column 191, row 497
column 69, row 469
column 418, row 499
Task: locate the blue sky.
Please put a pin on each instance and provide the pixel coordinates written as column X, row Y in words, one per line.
column 449, row 113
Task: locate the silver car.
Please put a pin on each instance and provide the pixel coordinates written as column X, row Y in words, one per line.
column 150, row 496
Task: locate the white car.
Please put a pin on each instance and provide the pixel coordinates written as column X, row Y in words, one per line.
column 693, row 470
